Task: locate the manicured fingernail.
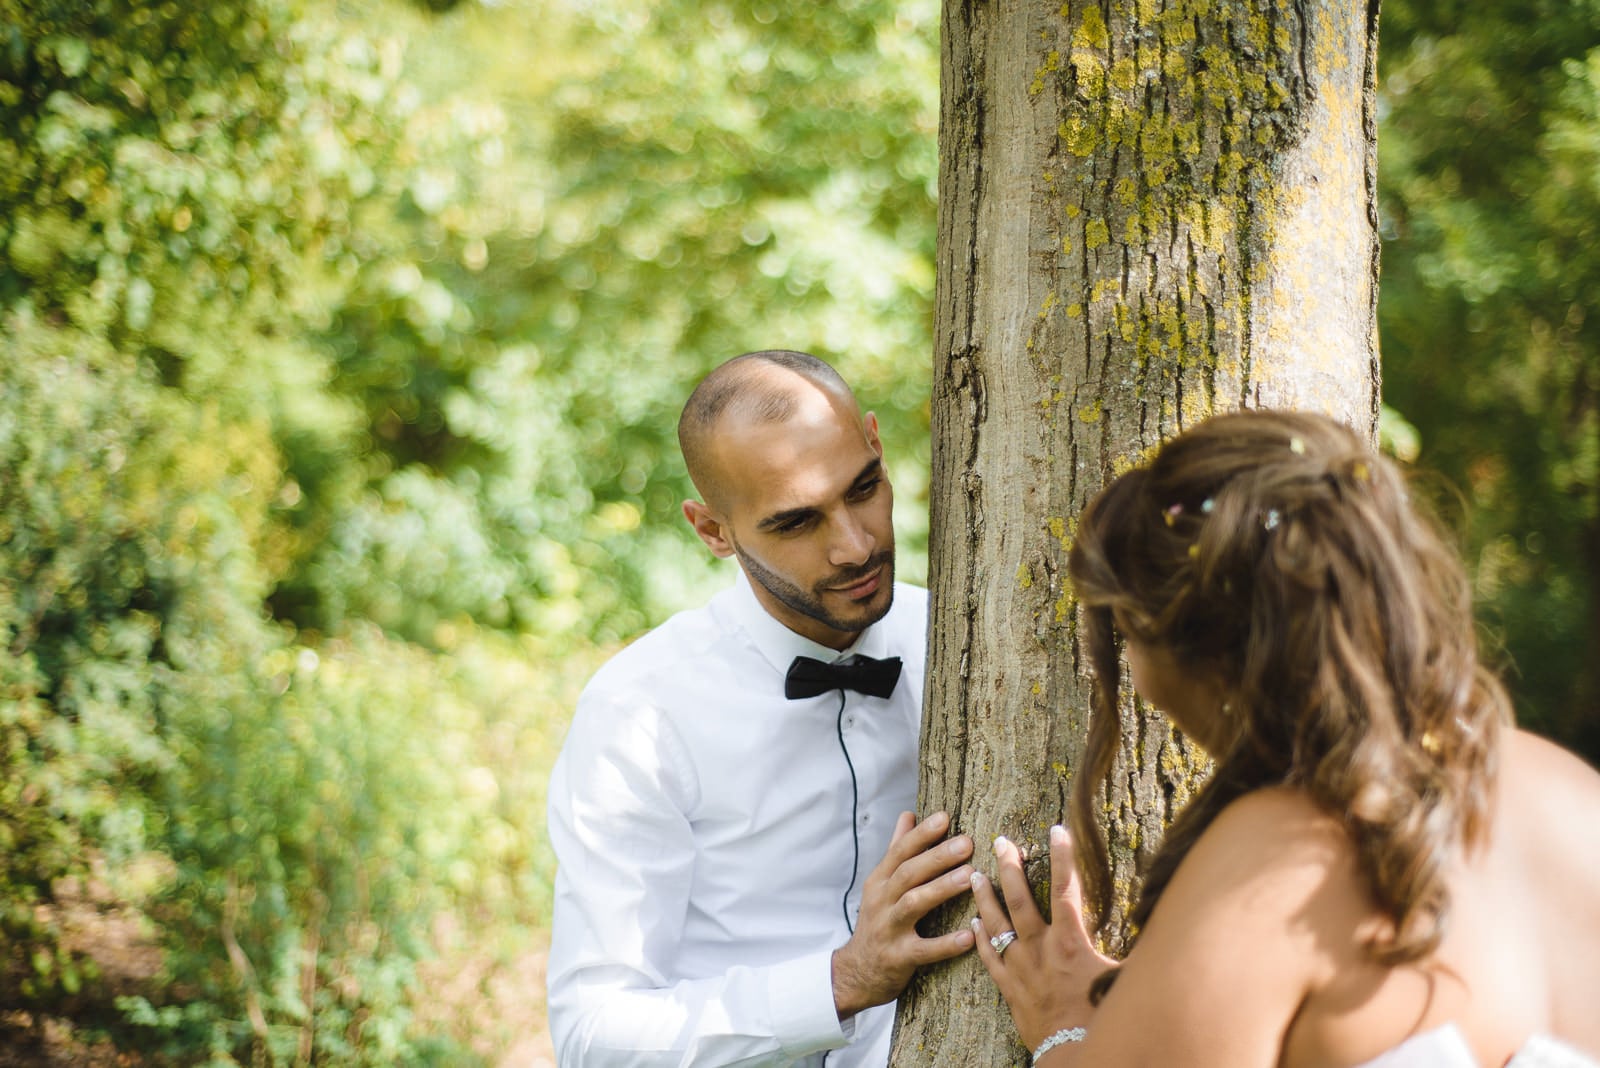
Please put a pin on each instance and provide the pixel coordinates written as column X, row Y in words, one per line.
column 977, row 879
column 1000, row 843
column 1058, row 835
column 974, row 923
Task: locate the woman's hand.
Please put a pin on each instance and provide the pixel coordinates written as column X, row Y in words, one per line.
column 1044, row 974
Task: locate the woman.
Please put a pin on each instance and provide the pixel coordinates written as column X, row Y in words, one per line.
column 1383, row 870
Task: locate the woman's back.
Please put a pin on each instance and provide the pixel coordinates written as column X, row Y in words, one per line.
column 1521, row 951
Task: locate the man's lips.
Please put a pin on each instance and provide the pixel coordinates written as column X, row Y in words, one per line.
column 863, row 587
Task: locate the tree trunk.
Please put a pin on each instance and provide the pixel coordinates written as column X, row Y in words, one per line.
column 1150, row 211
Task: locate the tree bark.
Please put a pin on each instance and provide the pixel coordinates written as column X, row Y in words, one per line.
column 1150, row 211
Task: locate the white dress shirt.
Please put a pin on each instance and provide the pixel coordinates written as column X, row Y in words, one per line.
column 702, row 825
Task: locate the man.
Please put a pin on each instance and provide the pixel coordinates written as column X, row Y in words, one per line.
column 723, row 794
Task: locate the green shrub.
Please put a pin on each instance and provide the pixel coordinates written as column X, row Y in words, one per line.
column 85, row 581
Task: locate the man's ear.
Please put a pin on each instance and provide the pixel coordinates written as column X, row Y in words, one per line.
column 709, row 528
column 870, row 423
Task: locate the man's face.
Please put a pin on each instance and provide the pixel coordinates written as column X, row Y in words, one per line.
column 807, row 508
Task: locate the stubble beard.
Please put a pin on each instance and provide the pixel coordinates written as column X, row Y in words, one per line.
column 809, row 603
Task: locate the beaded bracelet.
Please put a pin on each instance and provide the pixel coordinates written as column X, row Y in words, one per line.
column 1060, row 1038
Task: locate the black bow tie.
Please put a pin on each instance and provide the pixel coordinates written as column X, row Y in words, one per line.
column 808, row 677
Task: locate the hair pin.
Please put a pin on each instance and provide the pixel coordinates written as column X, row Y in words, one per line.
column 1173, row 511
column 1297, row 446
column 1271, row 520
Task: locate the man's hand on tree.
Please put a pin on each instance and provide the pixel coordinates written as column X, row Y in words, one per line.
column 919, row 872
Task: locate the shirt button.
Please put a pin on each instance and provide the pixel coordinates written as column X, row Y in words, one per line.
column 850, row 721
column 866, row 820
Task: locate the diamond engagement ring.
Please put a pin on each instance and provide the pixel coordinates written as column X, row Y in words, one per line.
column 1002, row 940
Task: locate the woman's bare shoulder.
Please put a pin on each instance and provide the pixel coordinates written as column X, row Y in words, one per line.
column 1548, row 802
column 1279, row 847
column 1529, row 753
column 1280, row 816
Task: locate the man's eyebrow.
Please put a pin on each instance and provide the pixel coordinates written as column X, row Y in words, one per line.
column 784, row 518
column 790, row 515
column 874, row 466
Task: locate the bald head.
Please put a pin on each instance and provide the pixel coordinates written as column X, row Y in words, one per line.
column 759, row 388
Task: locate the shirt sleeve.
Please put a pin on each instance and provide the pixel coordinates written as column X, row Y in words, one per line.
column 619, row 800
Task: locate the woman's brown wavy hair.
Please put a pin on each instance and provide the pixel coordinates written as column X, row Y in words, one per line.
column 1276, row 549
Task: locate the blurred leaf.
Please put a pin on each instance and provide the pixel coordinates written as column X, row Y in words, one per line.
column 1491, row 340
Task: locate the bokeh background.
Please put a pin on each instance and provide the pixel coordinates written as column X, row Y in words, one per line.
column 341, row 347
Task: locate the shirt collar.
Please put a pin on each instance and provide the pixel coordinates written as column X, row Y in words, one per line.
column 779, row 645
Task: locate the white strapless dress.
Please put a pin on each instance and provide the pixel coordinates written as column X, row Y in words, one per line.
column 1445, row 1047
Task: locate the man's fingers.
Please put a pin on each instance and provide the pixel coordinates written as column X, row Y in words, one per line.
column 1014, row 884
column 915, row 903
column 926, row 866
column 911, row 837
column 902, row 827
column 943, row 947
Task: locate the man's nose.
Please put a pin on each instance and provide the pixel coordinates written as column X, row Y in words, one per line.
column 853, row 542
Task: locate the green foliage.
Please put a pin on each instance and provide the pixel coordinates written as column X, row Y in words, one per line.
column 470, row 324
column 185, row 194
column 84, row 580
column 321, row 825
column 596, row 242
column 305, row 366
column 184, row 182
column 1490, row 147
column 318, row 807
